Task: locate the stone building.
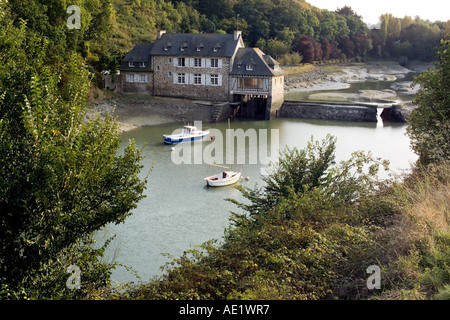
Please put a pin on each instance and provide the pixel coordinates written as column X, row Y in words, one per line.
column 211, row 67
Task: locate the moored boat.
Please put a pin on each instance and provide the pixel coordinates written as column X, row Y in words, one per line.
column 188, row 134
column 224, row 178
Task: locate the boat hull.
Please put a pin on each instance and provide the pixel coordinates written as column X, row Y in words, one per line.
column 174, row 139
column 218, row 180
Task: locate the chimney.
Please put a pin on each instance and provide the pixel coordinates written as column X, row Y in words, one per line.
column 160, row 33
column 237, row 34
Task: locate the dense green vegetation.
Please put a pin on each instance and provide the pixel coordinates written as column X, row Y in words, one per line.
column 110, row 28
column 309, row 233
column 60, row 176
column 430, row 125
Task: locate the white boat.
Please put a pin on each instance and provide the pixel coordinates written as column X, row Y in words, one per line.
column 188, row 134
column 223, row 179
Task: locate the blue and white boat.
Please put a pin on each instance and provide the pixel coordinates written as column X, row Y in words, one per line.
column 188, row 134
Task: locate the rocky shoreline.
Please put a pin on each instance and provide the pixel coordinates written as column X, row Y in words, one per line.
column 348, row 73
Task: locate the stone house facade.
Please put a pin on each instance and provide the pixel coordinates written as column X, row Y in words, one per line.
column 210, row 67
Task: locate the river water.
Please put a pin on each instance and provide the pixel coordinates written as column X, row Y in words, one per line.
column 180, row 212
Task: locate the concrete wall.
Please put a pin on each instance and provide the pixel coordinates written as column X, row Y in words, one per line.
column 329, row 111
column 165, row 71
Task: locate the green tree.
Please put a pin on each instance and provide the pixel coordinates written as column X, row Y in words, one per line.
column 276, row 48
column 296, row 172
column 48, row 19
column 60, row 176
column 429, row 127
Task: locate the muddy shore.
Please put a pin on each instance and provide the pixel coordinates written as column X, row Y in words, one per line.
column 135, row 111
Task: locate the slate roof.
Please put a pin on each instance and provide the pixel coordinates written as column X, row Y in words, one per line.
column 263, row 65
column 195, row 44
column 140, row 53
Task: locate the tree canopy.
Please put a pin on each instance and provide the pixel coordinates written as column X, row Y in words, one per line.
column 60, row 176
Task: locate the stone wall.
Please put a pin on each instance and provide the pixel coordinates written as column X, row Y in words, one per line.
column 398, row 113
column 329, row 111
column 165, row 71
column 134, row 87
column 276, row 97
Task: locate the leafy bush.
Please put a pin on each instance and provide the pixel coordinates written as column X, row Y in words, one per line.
column 429, row 127
column 60, row 176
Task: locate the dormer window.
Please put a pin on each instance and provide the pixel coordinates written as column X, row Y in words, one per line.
column 142, row 64
column 200, row 47
column 216, row 47
column 249, row 67
column 130, row 64
column 167, row 46
column 183, row 46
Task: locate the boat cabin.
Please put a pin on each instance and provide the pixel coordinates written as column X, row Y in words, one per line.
column 189, row 129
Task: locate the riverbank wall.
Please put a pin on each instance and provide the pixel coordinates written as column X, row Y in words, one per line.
column 355, row 112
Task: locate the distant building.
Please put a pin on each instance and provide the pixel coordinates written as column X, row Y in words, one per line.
column 212, row 67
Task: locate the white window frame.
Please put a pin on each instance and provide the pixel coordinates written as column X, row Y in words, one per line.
column 181, row 78
column 130, row 64
column 143, row 78
column 214, row 79
column 214, row 63
column 142, row 64
column 198, row 63
column 129, row 78
column 249, row 67
column 181, row 62
column 198, row 79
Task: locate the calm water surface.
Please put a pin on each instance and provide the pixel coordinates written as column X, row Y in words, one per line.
column 180, row 212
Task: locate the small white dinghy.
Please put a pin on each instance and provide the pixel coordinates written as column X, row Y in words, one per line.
column 224, row 178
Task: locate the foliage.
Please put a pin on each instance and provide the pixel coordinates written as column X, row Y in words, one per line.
column 111, row 28
column 290, row 59
column 416, row 38
column 60, row 177
column 429, row 127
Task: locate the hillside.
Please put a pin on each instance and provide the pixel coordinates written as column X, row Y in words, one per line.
column 280, row 28
column 110, row 28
